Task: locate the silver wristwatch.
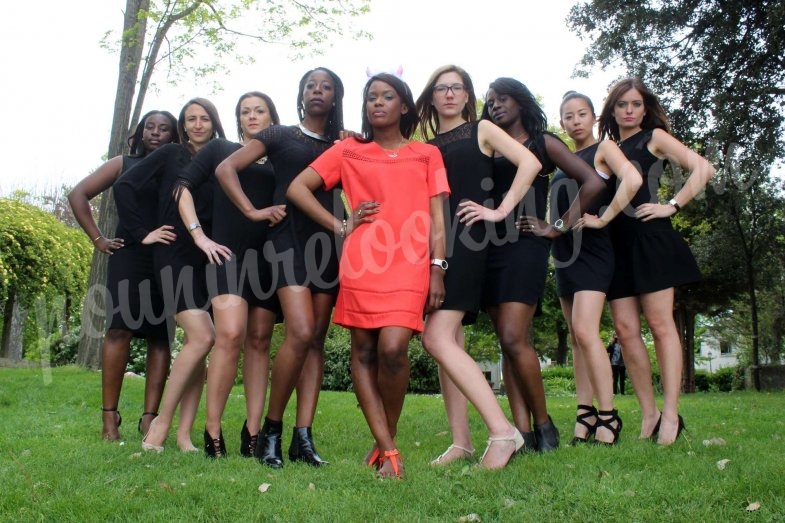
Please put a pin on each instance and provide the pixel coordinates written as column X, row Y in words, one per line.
column 559, row 226
column 442, row 264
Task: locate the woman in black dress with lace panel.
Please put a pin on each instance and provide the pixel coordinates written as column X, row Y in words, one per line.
column 447, row 112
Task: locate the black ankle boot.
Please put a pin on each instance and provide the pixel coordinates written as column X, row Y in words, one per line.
column 547, row 436
column 529, row 443
column 247, row 442
column 303, row 448
column 214, row 448
column 268, row 446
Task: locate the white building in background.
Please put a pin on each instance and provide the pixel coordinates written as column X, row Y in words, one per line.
column 715, row 354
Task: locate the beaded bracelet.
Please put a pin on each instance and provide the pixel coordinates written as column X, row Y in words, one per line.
column 343, row 229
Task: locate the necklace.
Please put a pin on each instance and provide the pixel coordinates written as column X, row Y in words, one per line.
column 315, row 136
column 518, row 138
column 394, row 154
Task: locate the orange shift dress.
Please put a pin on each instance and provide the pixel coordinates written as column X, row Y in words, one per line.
column 385, row 265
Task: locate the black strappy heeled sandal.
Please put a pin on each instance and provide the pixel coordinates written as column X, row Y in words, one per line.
column 582, row 419
column 610, row 416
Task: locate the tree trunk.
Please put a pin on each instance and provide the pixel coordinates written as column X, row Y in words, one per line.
column 563, row 347
column 13, row 323
column 685, row 321
column 93, row 316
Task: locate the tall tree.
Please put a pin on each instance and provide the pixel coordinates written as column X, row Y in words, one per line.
column 178, row 35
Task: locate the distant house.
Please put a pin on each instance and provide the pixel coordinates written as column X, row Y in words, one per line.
column 715, row 354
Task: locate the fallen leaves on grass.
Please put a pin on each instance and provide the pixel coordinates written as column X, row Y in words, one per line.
column 719, row 442
column 311, row 487
column 264, row 487
column 721, row 464
column 165, row 486
column 469, row 518
column 752, row 507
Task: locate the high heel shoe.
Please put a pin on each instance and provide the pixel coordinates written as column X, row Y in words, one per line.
column 303, row 448
column 106, row 435
column 656, row 430
column 681, row 428
column 606, row 420
column 149, row 447
column 516, row 438
column 247, row 442
column 547, row 436
column 529, row 442
column 395, row 459
column 590, row 411
column 268, row 446
column 139, row 425
column 448, row 456
column 214, row 448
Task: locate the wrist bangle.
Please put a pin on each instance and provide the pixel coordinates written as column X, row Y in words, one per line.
column 194, row 226
column 343, row 229
column 675, row 204
column 98, row 238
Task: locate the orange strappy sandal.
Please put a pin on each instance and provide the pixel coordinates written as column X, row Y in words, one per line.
column 397, row 463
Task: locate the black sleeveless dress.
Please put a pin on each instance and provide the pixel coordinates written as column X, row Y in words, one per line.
column 302, row 252
column 134, row 302
column 583, row 259
column 650, row 256
column 470, row 176
column 247, row 274
column 179, row 266
column 518, row 262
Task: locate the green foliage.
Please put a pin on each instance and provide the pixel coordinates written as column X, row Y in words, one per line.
column 424, row 371
column 337, row 360
column 726, row 379
column 39, row 256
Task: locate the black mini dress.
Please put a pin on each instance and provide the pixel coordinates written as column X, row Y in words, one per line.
column 650, row 256
column 470, row 176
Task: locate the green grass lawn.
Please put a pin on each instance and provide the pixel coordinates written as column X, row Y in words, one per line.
column 54, row 466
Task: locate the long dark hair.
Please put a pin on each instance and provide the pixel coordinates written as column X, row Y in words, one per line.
column 408, row 121
column 532, row 116
column 135, row 141
column 429, row 118
column 212, row 112
column 270, row 107
column 335, row 118
column 654, row 118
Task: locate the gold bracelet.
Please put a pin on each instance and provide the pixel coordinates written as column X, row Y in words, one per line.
column 98, row 237
column 343, row 229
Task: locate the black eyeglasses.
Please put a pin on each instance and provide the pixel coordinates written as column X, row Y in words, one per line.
column 443, row 88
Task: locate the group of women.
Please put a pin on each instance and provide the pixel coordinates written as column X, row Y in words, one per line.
column 391, row 237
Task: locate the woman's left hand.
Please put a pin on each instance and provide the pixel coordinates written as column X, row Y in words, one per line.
column 589, row 221
column 650, row 211
column 363, row 213
column 436, row 292
column 536, row 226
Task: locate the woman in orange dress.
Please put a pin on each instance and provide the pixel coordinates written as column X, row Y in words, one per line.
column 392, row 265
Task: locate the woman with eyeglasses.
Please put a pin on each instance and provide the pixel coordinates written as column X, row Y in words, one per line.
column 447, row 113
column 391, row 265
column 304, row 260
column 518, row 257
column 651, row 257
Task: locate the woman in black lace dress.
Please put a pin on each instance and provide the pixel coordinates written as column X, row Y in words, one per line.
column 446, row 110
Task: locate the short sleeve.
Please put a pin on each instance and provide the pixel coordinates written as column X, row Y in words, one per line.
column 328, row 165
column 437, row 174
